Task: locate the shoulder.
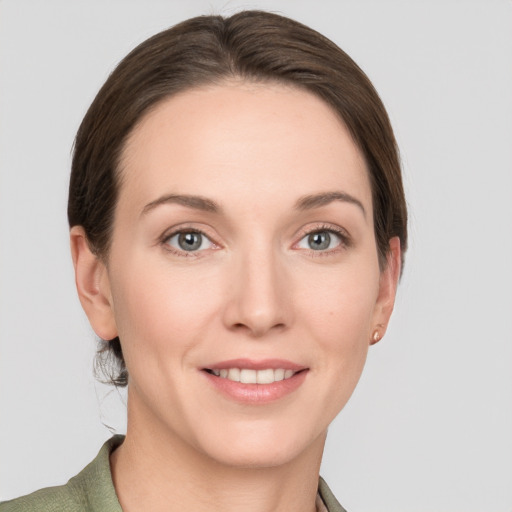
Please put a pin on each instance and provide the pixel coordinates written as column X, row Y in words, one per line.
column 91, row 490
column 51, row 499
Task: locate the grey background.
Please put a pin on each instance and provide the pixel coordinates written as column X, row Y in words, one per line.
column 430, row 425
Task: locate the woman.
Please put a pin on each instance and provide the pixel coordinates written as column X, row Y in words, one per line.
column 238, row 228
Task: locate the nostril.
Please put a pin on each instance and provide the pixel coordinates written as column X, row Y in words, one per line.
column 258, row 329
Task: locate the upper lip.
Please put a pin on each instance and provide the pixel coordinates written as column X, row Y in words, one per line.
column 261, row 364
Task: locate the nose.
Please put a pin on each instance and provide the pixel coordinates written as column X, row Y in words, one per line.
column 257, row 297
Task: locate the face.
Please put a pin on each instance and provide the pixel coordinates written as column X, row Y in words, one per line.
column 243, row 278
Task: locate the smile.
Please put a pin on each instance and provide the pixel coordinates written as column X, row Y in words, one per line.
column 250, row 376
column 253, row 382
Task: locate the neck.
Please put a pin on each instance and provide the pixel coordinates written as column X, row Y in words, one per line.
column 156, row 470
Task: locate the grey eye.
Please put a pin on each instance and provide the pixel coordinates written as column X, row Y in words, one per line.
column 319, row 241
column 189, row 241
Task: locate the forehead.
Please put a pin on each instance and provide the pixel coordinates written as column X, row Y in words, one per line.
column 244, row 138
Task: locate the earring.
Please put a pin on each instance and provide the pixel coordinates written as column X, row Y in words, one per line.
column 376, row 336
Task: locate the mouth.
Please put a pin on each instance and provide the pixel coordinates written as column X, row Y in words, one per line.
column 256, row 382
column 251, row 376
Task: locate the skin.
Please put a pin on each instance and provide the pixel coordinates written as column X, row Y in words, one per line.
column 255, row 289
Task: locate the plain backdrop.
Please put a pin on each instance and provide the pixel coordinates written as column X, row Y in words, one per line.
column 429, row 427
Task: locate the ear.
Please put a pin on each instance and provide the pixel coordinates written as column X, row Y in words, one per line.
column 93, row 285
column 387, row 291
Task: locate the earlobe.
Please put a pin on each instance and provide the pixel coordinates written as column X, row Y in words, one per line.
column 93, row 285
column 387, row 291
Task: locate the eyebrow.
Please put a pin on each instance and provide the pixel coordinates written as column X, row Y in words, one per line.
column 190, row 201
column 310, row 202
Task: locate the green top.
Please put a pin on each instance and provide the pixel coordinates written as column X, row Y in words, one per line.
column 92, row 490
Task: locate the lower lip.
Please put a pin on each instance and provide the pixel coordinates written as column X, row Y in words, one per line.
column 256, row 393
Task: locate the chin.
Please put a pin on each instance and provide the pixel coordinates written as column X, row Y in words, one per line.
column 255, row 457
column 261, row 447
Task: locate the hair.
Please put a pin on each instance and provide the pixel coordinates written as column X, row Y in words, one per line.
column 251, row 46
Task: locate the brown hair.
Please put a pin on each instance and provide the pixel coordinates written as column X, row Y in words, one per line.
column 252, row 46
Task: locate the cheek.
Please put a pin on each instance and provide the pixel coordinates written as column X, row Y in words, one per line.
column 338, row 309
column 338, row 316
column 340, row 305
column 161, row 308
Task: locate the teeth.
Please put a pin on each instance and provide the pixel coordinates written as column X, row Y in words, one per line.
column 248, row 376
column 234, row 374
column 265, row 377
column 279, row 374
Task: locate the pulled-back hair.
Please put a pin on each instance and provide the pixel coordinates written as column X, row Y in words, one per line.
column 252, row 46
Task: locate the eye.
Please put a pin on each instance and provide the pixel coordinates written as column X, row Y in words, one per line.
column 189, row 241
column 320, row 240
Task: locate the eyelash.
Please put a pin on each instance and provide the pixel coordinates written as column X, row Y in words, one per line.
column 164, row 241
column 345, row 240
